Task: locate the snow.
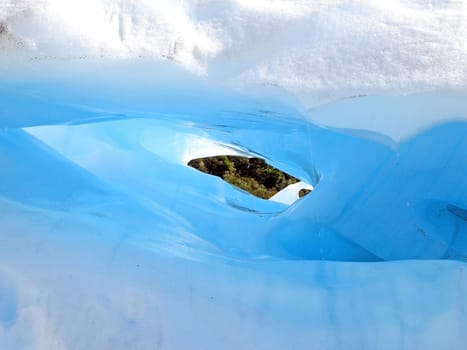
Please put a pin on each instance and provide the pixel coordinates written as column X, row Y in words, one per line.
column 108, row 240
column 316, row 50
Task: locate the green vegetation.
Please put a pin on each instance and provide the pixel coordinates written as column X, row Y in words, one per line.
column 253, row 175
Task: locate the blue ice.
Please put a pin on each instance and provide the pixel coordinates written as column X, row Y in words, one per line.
column 108, row 240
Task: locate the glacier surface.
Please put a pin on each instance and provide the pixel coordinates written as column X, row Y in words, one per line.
column 108, row 240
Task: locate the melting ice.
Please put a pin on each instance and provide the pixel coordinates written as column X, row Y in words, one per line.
column 108, row 240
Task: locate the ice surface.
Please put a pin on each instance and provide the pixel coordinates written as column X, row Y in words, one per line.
column 108, row 240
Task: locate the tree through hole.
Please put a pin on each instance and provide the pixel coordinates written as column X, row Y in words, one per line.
column 253, row 175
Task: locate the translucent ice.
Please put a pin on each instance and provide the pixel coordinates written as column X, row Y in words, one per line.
column 108, row 240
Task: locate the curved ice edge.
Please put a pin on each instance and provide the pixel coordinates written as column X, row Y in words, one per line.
column 371, row 201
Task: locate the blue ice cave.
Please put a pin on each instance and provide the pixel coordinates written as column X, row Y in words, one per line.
column 108, row 240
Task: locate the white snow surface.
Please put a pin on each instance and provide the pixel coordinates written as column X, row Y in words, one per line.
column 316, row 50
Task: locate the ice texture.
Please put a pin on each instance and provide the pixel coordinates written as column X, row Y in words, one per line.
column 108, row 240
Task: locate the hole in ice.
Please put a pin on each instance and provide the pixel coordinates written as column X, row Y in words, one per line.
column 253, row 175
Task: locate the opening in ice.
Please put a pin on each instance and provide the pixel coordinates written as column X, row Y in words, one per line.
column 253, row 175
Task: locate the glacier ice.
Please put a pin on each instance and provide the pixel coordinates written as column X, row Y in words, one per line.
column 108, row 240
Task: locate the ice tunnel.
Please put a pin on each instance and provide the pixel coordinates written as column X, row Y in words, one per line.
column 109, row 240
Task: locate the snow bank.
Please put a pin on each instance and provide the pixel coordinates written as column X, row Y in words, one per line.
column 316, row 50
